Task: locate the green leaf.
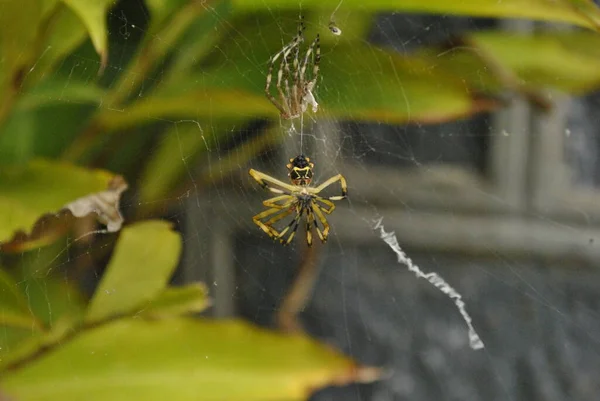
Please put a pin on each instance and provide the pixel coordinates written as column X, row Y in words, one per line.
column 17, row 139
column 59, row 91
column 192, row 298
column 579, row 12
column 93, row 15
column 29, row 191
column 19, row 20
column 144, row 259
column 201, row 36
column 233, row 103
column 182, row 360
column 44, row 121
column 19, row 344
column 392, row 88
column 566, row 61
column 161, row 11
column 492, row 62
column 34, row 312
column 63, row 33
column 176, row 154
column 52, row 298
column 14, row 309
column 170, row 20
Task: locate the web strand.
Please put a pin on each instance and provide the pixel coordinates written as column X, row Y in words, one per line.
column 390, row 239
column 301, row 134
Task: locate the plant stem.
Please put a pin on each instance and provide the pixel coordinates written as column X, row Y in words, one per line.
column 297, row 296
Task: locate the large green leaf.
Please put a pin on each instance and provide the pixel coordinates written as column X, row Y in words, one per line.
column 579, row 12
column 566, row 61
column 492, row 62
column 388, row 87
column 40, row 187
column 145, row 257
column 182, row 360
column 233, row 103
column 93, row 14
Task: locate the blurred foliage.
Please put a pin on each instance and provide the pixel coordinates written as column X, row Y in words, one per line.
column 133, row 339
column 166, row 91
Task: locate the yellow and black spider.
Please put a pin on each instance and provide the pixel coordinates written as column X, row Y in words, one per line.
column 298, row 197
column 295, row 84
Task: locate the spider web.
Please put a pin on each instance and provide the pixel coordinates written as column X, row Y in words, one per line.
column 537, row 318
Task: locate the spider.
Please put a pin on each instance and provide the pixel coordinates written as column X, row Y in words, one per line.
column 295, row 96
column 299, row 198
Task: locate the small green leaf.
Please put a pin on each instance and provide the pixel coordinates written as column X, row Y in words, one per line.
column 39, row 187
column 192, row 298
column 144, row 259
column 580, row 12
column 182, row 359
column 93, row 14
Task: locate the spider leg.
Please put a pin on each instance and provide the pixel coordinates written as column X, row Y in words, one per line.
column 263, row 179
column 330, row 181
column 295, row 102
column 284, row 67
column 317, row 209
column 330, row 205
column 270, row 231
column 277, row 217
column 306, row 85
column 275, row 102
column 293, row 226
column 272, row 202
column 282, row 53
column 314, row 221
column 315, row 50
column 308, row 228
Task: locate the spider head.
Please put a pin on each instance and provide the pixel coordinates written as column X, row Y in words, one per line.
column 300, row 170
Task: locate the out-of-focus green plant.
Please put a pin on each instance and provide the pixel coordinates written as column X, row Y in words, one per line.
column 134, row 341
column 196, row 78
